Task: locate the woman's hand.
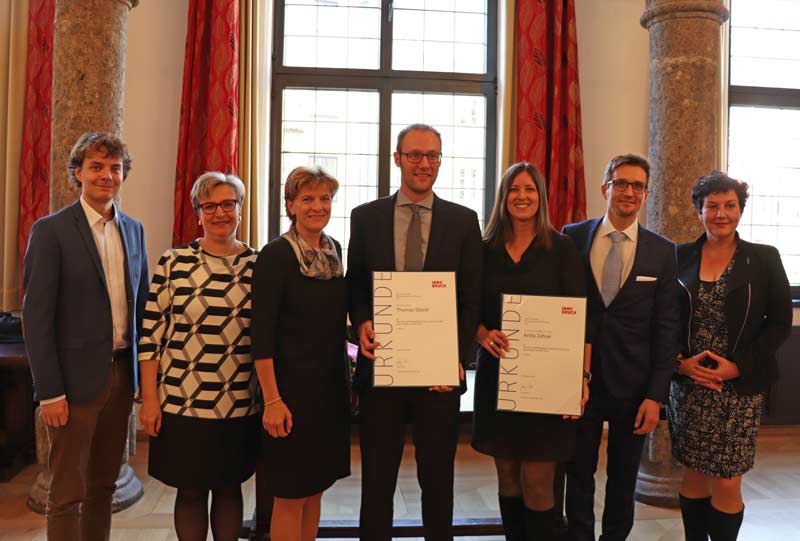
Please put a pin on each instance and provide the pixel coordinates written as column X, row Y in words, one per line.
column 150, row 416
column 700, row 375
column 277, row 419
column 724, row 370
column 584, row 400
column 494, row 341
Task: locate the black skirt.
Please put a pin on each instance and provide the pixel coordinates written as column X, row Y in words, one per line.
column 197, row 454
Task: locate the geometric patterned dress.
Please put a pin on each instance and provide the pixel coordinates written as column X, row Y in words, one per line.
column 197, row 327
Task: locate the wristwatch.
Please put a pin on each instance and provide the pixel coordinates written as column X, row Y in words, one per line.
column 587, row 376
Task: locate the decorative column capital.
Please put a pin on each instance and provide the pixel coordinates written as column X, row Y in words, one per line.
column 660, row 10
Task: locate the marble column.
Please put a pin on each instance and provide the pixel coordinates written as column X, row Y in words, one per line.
column 684, row 134
column 684, row 107
column 89, row 44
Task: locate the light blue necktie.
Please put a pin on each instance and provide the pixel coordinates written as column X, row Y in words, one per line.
column 612, row 270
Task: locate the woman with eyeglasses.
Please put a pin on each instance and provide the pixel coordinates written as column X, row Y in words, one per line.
column 198, row 388
column 523, row 255
column 736, row 311
column 300, row 321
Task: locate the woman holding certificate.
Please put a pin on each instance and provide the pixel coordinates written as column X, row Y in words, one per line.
column 736, row 312
column 522, row 255
column 299, row 322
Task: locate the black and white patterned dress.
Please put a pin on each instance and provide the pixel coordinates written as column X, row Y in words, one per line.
column 713, row 432
column 197, row 327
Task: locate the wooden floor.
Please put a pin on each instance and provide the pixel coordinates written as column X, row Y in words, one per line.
column 771, row 492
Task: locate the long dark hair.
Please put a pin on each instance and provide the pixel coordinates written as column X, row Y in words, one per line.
column 499, row 230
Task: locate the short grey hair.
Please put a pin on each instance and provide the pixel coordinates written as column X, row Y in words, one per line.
column 209, row 180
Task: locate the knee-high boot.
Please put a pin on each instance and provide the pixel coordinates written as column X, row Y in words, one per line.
column 724, row 526
column 694, row 512
column 512, row 511
column 539, row 525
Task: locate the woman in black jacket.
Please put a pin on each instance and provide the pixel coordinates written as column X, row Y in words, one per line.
column 736, row 311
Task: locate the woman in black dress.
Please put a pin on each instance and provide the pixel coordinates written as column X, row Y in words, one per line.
column 523, row 254
column 736, row 312
column 299, row 326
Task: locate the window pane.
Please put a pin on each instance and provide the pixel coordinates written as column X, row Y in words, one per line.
column 337, row 130
column 765, row 43
column 338, row 34
column 442, row 35
column 763, row 153
column 461, row 120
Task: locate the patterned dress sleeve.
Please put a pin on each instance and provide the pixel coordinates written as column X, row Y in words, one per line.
column 157, row 311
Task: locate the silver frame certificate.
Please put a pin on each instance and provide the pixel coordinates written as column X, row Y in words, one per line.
column 542, row 371
column 416, row 323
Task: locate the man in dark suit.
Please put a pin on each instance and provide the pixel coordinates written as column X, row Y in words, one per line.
column 85, row 288
column 633, row 316
column 412, row 230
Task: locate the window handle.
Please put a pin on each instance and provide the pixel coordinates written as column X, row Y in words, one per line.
column 391, row 10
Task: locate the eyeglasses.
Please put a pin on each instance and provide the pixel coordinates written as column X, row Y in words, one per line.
column 210, row 208
column 621, row 185
column 416, row 157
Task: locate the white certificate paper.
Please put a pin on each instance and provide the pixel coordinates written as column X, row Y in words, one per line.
column 415, row 321
column 543, row 369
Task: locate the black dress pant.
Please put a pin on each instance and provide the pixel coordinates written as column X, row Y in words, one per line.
column 624, row 454
column 384, row 414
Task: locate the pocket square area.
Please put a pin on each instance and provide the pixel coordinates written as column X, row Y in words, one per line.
column 641, row 278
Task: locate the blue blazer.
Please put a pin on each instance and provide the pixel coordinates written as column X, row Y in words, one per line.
column 635, row 338
column 67, row 310
column 454, row 244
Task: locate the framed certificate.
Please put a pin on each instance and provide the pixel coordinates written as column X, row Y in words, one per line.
column 416, row 324
column 543, row 369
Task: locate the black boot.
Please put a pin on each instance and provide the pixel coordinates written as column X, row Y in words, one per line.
column 694, row 512
column 539, row 525
column 724, row 526
column 512, row 511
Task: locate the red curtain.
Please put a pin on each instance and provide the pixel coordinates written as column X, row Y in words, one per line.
column 209, row 105
column 548, row 103
column 34, row 189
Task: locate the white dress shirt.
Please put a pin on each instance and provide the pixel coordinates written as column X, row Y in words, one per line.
column 112, row 256
column 602, row 245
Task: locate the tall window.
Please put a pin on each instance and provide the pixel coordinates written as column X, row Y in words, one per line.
column 764, row 122
column 348, row 75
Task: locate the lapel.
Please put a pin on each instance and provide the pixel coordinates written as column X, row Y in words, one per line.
column 82, row 225
column 436, row 234
column 642, row 244
column 594, row 289
column 124, row 234
column 689, row 271
column 386, row 227
column 741, row 273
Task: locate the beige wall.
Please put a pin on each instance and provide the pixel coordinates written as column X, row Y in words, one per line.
column 153, row 80
column 613, row 60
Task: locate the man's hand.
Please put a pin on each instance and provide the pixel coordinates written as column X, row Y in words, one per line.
column 647, row 417
column 446, row 388
column 150, row 416
column 366, row 340
column 55, row 413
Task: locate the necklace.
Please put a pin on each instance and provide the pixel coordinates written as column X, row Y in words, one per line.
column 235, row 248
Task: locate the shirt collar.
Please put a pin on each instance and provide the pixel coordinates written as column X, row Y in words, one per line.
column 92, row 216
column 606, row 228
column 403, row 200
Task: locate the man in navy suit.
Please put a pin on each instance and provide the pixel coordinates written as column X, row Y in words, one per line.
column 86, row 279
column 633, row 317
column 412, row 230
